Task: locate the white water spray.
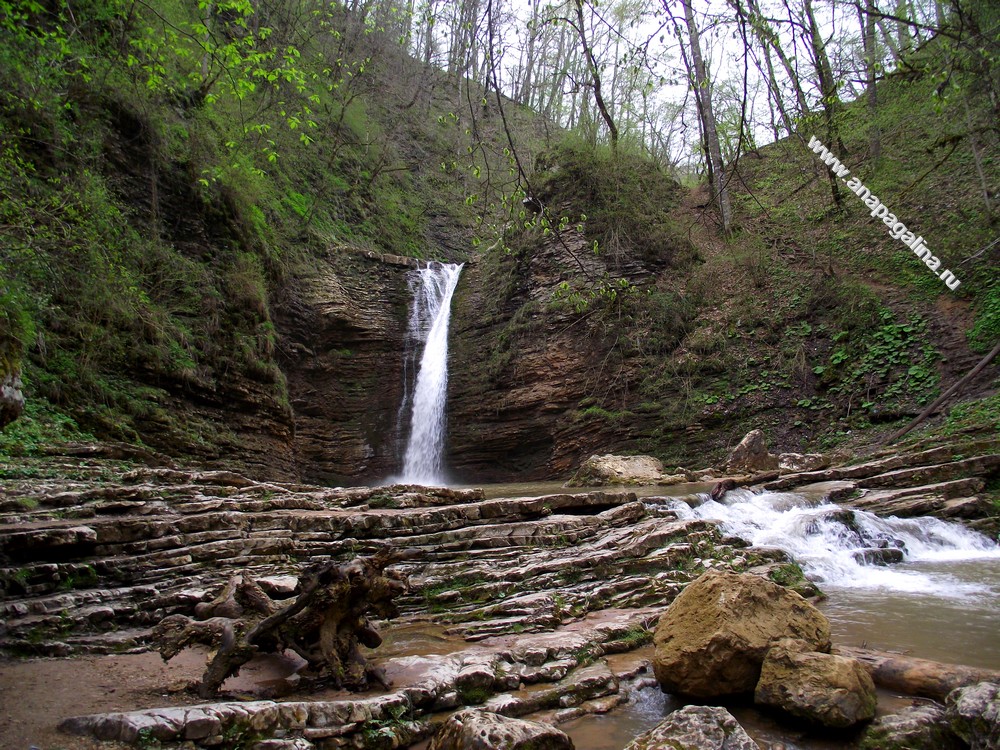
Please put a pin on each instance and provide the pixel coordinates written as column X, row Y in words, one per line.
column 833, row 544
column 430, row 313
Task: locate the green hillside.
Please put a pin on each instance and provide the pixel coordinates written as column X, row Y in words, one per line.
column 162, row 199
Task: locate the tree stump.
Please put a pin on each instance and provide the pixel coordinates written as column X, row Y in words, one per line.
column 325, row 624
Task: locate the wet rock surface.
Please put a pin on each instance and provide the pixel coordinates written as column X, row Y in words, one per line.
column 484, row 730
column 532, row 593
column 713, row 638
column 834, row 691
column 974, row 714
column 529, row 598
column 918, row 727
column 696, row 728
column 945, row 481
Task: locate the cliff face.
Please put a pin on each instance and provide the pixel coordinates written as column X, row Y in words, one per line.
column 521, row 365
column 342, row 335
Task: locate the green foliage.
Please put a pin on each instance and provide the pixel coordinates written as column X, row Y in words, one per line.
column 473, row 695
column 985, row 332
column 384, row 732
column 40, row 425
column 621, row 201
column 787, row 574
column 160, row 177
column 635, row 637
column 974, row 415
column 887, row 366
column 239, row 736
column 82, row 577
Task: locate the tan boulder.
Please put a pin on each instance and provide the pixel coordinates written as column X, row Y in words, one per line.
column 751, row 454
column 790, row 463
column 598, row 471
column 834, row 691
column 712, row 639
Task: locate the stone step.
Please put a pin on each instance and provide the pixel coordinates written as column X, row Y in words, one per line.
column 941, row 456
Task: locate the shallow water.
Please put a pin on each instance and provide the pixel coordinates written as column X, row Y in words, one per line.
column 649, row 706
column 536, row 489
column 960, row 625
column 614, row 730
column 942, row 602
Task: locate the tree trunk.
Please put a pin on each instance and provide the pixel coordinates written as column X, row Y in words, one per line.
column 868, row 39
column 912, row 676
column 710, row 133
column 324, row 624
column 595, row 76
column 828, row 90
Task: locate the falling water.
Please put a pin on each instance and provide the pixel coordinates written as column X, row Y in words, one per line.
column 430, row 312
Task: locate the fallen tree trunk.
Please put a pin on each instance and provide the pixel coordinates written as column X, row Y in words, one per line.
column 919, row 677
column 325, row 624
column 946, row 395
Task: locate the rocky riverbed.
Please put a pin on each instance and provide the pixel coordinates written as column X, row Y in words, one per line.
column 537, row 607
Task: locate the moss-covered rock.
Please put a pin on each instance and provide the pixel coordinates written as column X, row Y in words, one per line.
column 918, row 727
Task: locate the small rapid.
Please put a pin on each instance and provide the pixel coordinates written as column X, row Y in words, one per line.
column 852, row 549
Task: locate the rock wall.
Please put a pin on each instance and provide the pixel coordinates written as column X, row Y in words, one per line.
column 520, row 367
column 342, row 335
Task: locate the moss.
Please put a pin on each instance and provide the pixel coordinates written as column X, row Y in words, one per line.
column 474, row 695
column 621, row 200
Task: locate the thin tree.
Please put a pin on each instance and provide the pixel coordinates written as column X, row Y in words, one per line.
column 867, row 21
column 595, row 74
column 828, row 91
column 698, row 75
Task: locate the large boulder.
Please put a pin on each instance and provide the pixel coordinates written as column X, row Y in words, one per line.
column 598, row 471
column 917, row 727
column 695, row 728
column 712, row 639
column 11, row 398
column 834, row 691
column 974, row 713
column 751, row 454
column 481, row 730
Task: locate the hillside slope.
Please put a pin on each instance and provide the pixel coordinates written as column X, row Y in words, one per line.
column 229, row 288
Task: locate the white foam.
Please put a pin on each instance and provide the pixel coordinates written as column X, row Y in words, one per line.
column 830, row 550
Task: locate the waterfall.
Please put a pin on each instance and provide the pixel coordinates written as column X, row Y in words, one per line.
column 430, row 312
column 840, row 547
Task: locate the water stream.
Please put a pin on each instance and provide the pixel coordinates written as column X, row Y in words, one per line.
column 941, row 602
column 430, row 313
